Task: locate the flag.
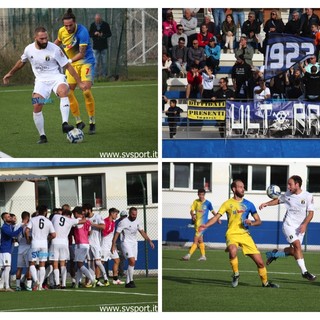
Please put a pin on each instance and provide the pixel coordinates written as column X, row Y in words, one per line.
column 285, row 50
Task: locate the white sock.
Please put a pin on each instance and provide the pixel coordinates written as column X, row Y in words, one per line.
column 87, row 273
column 39, row 122
column 49, row 269
column 29, row 283
column 42, row 274
column 18, row 281
column 33, row 272
column 130, row 273
column 6, row 276
column 65, row 109
column 63, row 276
column 56, row 273
column 302, row 265
column 78, row 276
column 102, row 269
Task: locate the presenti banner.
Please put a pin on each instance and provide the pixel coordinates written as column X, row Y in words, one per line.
column 206, row 110
column 275, row 119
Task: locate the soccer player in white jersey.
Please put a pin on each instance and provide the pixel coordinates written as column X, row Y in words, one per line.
column 300, row 210
column 129, row 228
column 106, row 244
column 46, row 60
column 59, row 249
column 94, row 256
column 38, row 232
column 23, row 254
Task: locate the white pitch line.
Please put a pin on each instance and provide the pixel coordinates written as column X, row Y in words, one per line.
column 77, row 306
column 213, row 270
column 99, row 87
column 117, row 292
column 4, row 155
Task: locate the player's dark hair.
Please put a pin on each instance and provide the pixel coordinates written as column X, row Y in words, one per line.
column 25, row 214
column 39, row 29
column 3, row 214
column 234, row 183
column 174, row 101
column 87, row 206
column 66, row 212
column 297, row 179
column 42, row 210
column 69, row 15
column 201, row 190
column 111, row 210
column 132, row 209
column 65, row 206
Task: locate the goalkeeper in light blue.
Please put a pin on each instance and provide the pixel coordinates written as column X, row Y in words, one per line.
column 300, row 210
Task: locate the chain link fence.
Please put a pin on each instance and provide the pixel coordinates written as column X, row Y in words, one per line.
column 147, row 263
column 133, row 41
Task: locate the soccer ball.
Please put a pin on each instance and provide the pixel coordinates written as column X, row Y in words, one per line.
column 273, row 191
column 75, row 135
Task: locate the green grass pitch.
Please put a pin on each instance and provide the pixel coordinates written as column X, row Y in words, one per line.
column 143, row 298
column 206, row 285
column 126, row 123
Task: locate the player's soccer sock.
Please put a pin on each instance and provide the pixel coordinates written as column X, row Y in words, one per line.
column 63, row 275
column 234, row 265
column 102, row 269
column 49, row 270
column 65, row 109
column 29, row 283
column 92, row 119
column 263, row 275
column 18, row 283
column 78, row 276
column 74, row 105
column 33, row 272
column 39, row 122
column 193, row 249
column 90, row 103
column 42, row 274
column 87, row 273
column 130, row 274
column 202, row 248
column 6, row 276
column 56, row 273
column 302, row 265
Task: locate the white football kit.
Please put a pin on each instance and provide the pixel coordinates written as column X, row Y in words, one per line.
column 129, row 242
column 59, row 249
column 46, row 65
column 40, row 227
column 298, row 206
column 23, row 250
column 95, row 237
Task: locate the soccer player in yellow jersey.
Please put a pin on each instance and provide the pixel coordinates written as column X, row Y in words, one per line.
column 75, row 41
column 238, row 210
column 199, row 212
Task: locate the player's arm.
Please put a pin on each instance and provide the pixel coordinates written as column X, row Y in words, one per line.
column 19, row 65
column 81, row 54
column 100, row 226
column 256, row 222
column 272, row 202
column 145, row 236
column 28, row 235
column 114, row 241
column 304, row 224
column 193, row 215
column 214, row 214
column 210, row 222
column 51, row 236
column 73, row 72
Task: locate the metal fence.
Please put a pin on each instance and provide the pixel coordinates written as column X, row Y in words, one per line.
column 134, row 34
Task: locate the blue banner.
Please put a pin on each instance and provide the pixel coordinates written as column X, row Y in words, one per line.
column 285, row 50
column 272, row 119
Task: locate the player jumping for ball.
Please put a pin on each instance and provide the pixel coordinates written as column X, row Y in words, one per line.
column 300, row 209
column 46, row 60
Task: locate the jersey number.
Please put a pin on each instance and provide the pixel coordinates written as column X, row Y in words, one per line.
column 62, row 221
column 41, row 224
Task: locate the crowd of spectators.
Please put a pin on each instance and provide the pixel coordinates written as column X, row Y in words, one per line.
column 193, row 50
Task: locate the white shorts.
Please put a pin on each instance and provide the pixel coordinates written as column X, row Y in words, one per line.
column 94, row 253
column 81, row 252
column 292, row 233
column 38, row 254
column 23, row 258
column 44, row 88
column 130, row 250
column 59, row 252
column 106, row 254
column 5, row 259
